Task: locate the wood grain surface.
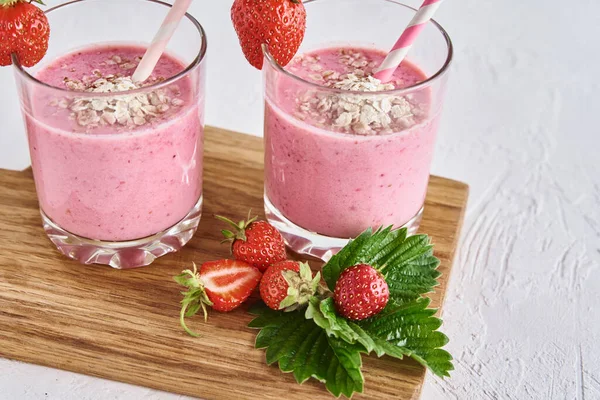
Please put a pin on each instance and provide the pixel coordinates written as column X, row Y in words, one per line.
column 123, row 324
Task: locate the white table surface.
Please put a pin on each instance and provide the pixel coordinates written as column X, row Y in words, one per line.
column 520, row 127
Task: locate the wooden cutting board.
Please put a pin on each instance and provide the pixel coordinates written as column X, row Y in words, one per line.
column 123, row 324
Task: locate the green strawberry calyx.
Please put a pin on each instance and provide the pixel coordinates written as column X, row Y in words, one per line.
column 238, row 231
column 302, row 286
column 193, row 299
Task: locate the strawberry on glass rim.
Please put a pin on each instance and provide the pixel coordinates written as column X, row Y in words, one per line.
column 24, row 31
column 279, row 24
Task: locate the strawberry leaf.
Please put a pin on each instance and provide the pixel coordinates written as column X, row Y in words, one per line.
column 324, row 315
column 400, row 330
column 411, row 329
column 302, row 347
column 407, row 263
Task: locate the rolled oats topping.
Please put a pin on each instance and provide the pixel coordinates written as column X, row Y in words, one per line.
column 359, row 113
column 122, row 110
column 371, row 113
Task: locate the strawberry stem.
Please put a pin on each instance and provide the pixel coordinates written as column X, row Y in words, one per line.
column 182, row 320
column 381, row 268
column 239, row 229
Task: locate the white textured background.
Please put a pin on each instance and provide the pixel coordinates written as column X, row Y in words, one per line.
column 521, row 127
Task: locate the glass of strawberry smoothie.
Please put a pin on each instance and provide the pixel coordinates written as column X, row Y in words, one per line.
column 117, row 164
column 343, row 151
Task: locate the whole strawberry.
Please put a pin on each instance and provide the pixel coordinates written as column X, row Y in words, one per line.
column 24, row 30
column 288, row 284
column 280, row 24
column 360, row 292
column 255, row 242
column 273, row 286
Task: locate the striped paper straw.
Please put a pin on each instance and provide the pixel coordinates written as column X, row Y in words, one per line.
column 385, row 71
column 160, row 41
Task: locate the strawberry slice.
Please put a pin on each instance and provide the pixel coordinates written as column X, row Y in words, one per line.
column 223, row 285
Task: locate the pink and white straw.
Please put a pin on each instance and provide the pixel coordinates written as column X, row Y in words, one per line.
column 385, row 71
column 160, row 41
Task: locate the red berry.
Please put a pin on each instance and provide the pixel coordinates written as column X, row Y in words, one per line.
column 228, row 283
column 273, row 286
column 280, row 24
column 255, row 242
column 360, row 292
column 24, row 30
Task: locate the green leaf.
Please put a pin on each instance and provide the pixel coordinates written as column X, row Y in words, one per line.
column 324, row 315
column 343, row 374
column 411, row 269
column 313, row 312
column 302, row 347
column 410, row 329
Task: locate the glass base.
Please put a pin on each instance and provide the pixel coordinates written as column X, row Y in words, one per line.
column 126, row 254
column 310, row 243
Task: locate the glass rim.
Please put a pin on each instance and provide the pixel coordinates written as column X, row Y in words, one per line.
column 427, row 82
column 197, row 60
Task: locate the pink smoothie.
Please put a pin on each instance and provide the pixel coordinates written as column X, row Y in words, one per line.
column 106, row 179
column 334, row 177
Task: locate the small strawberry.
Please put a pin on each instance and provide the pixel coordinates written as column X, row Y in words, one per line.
column 256, row 242
column 24, row 30
column 360, row 292
column 222, row 284
column 288, row 284
column 280, row 24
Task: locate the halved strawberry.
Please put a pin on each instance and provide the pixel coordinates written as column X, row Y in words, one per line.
column 224, row 285
column 228, row 283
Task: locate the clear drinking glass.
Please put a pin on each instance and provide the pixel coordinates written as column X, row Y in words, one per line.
column 327, row 180
column 118, row 174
